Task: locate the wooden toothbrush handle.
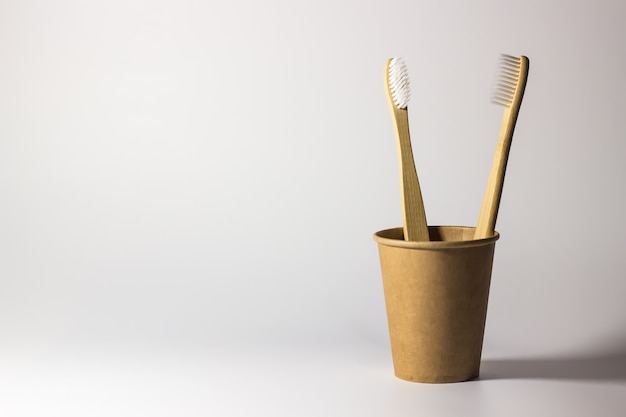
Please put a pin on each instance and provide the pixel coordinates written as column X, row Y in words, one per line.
column 414, row 215
column 493, row 193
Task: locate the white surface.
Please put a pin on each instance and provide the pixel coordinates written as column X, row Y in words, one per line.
column 188, row 192
column 338, row 381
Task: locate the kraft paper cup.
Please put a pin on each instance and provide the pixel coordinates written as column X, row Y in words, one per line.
column 436, row 297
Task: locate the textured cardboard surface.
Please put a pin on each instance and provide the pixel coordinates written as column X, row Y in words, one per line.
column 436, row 296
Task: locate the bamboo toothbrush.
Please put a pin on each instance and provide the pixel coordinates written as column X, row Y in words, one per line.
column 508, row 92
column 398, row 93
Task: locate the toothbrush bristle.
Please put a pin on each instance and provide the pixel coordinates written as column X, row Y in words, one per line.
column 507, row 80
column 399, row 83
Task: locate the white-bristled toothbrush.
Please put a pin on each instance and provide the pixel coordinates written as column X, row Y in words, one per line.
column 508, row 92
column 398, row 94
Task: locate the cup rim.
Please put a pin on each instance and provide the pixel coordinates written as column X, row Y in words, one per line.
column 392, row 237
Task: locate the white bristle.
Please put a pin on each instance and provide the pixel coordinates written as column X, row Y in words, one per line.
column 399, row 83
column 507, row 80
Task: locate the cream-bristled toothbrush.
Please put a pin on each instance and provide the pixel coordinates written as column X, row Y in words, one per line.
column 398, row 94
column 508, row 92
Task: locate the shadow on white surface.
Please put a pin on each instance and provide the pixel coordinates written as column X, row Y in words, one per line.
column 601, row 368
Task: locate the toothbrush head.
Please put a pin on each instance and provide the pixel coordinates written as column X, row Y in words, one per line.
column 398, row 82
column 511, row 80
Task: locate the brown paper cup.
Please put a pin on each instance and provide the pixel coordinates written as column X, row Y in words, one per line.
column 436, row 296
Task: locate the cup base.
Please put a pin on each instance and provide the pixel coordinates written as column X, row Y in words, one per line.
column 436, row 379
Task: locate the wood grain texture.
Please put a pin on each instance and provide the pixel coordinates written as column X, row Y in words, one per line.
column 413, row 213
column 493, row 193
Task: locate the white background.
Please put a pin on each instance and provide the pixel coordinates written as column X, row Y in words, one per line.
column 188, row 191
